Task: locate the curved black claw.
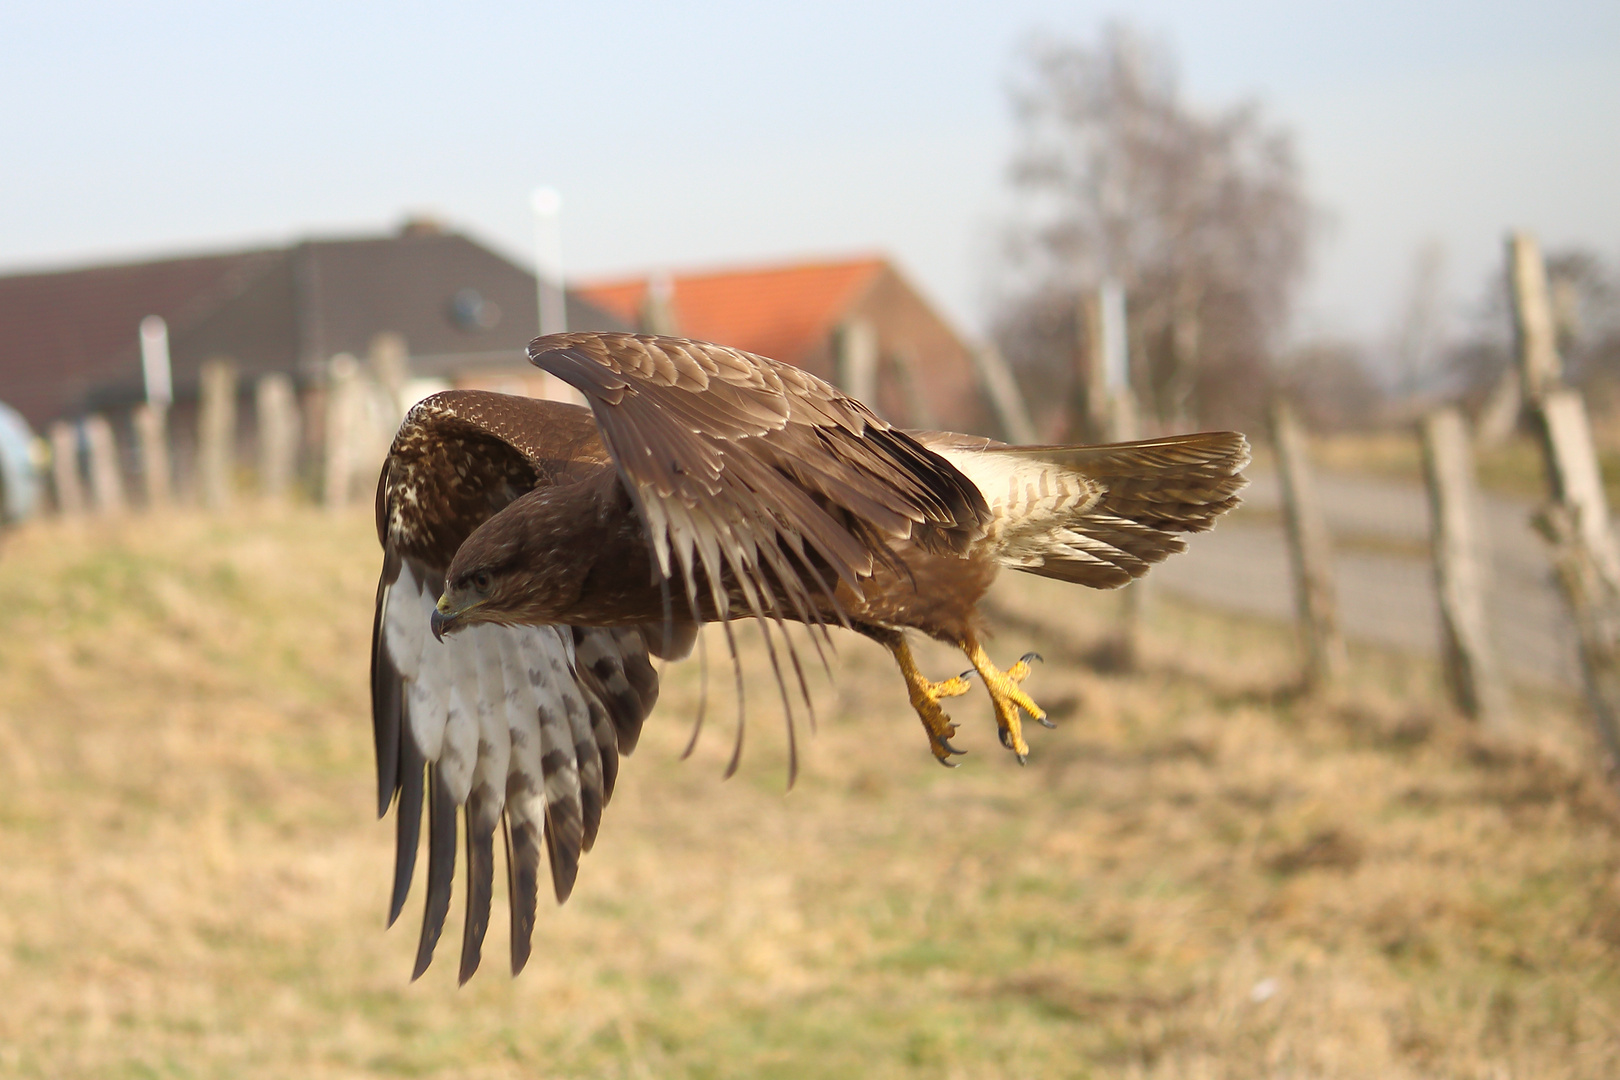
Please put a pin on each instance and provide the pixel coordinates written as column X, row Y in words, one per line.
column 967, row 676
column 949, row 748
column 1006, row 738
column 1045, row 723
column 1032, row 656
column 1023, row 759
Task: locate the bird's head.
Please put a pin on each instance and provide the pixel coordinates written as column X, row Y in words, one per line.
column 467, row 599
column 504, row 573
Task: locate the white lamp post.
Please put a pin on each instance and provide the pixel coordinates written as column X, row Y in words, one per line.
column 548, row 275
column 155, row 361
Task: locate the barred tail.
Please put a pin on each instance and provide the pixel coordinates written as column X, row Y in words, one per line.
column 1102, row 515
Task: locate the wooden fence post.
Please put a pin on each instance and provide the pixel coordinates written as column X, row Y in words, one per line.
column 152, row 436
column 1534, row 330
column 1460, row 569
column 277, row 414
column 1005, row 397
column 1310, row 551
column 106, row 475
column 1122, row 422
column 1573, row 475
column 216, row 432
column 1092, row 374
column 342, row 419
column 389, row 359
column 65, row 469
column 657, row 313
column 1585, row 557
column 1574, row 479
column 1594, row 602
column 855, row 344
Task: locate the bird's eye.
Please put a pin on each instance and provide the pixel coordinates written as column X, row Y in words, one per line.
column 480, row 581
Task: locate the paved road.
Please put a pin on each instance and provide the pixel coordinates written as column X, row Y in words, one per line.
column 1386, row 589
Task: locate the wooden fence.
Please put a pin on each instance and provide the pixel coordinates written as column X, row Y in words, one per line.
column 353, row 411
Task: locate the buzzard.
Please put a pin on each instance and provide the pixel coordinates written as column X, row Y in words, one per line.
column 537, row 555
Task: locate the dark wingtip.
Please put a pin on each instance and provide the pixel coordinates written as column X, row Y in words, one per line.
column 387, row 706
column 523, row 888
column 441, row 870
column 564, row 859
column 408, row 825
column 480, row 883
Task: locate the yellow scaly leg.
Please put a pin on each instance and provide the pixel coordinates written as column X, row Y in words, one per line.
column 925, row 698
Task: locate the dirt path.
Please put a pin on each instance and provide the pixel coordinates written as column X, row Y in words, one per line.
column 1386, row 591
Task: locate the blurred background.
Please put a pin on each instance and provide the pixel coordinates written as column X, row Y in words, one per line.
column 1334, row 792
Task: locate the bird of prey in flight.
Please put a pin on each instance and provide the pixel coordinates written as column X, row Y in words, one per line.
column 537, row 554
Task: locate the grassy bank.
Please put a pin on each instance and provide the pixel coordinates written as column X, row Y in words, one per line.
column 1198, row 874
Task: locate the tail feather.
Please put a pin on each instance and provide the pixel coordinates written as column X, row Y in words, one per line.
column 1102, row 515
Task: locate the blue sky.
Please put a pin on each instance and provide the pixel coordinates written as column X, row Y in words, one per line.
column 690, row 134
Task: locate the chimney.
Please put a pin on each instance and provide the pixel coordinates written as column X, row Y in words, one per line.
column 421, row 225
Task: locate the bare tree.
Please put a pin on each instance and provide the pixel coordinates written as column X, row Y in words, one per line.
column 1201, row 219
column 1331, row 384
column 1586, row 314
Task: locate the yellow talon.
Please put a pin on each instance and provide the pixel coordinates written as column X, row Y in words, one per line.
column 1006, row 696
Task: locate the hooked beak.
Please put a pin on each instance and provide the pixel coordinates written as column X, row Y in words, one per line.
column 445, row 618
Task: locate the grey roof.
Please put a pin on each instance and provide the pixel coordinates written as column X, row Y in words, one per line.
column 69, row 342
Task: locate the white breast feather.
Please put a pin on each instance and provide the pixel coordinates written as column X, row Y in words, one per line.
column 486, row 704
column 494, row 736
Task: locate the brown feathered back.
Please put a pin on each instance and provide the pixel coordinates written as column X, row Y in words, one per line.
column 742, row 466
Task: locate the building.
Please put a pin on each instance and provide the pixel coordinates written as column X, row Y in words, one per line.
column 69, row 340
column 855, row 322
column 428, row 305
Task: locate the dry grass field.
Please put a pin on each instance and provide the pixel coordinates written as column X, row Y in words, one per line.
column 1198, row 874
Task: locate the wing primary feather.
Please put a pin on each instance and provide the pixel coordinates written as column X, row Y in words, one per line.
column 703, row 694
column 802, row 608
column 387, row 699
column 797, row 546
column 520, row 935
column 564, row 857
column 668, row 603
column 635, row 662
column 441, row 868
column 408, row 823
column 798, row 672
column 607, row 745
column 742, row 711
column 480, row 824
column 787, row 698
column 588, row 760
column 524, row 852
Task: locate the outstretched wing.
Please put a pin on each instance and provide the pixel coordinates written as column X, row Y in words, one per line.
column 522, row 726
column 748, row 469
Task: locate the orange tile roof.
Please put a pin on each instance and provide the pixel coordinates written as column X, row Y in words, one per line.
column 783, row 312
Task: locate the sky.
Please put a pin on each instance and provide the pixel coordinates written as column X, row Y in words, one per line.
column 700, row 134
